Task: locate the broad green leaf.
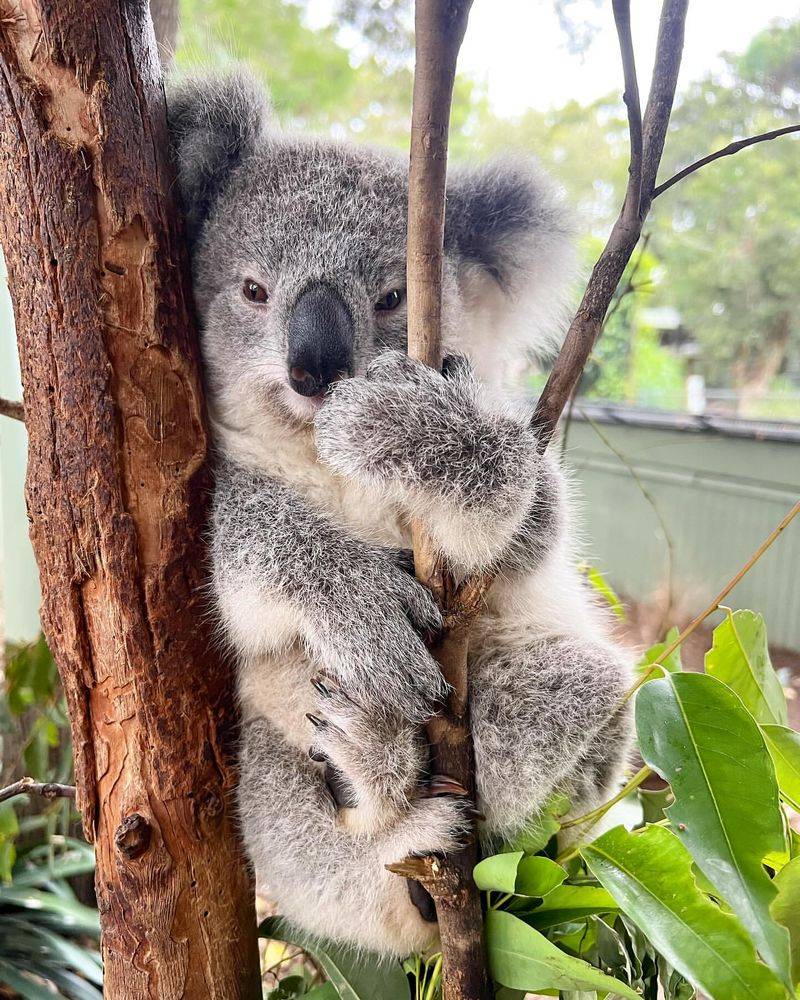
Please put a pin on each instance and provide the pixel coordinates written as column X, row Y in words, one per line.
column 784, row 747
column 740, row 658
column 605, row 590
column 786, row 910
column 672, row 663
column 571, row 902
column 538, row 876
column 499, row 872
column 519, row 875
column 524, row 959
column 649, row 874
column 356, row 976
column 698, row 735
column 542, row 827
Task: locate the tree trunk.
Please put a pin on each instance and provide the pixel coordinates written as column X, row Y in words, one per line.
column 117, row 491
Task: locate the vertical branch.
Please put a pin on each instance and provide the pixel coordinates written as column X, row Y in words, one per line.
column 633, row 196
column 440, row 27
column 647, row 144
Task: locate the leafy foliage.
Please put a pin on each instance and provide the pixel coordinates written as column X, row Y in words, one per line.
column 48, row 939
column 33, row 715
column 702, row 895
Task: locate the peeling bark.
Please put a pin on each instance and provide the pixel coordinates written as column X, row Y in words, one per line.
column 117, row 490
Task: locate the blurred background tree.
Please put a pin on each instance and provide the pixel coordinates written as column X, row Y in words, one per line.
column 721, row 261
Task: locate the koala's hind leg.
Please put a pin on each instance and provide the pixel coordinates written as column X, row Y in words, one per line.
column 323, row 876
column 547, row 716
column 380, row 757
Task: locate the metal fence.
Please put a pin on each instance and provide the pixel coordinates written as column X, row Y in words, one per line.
column 700, row 493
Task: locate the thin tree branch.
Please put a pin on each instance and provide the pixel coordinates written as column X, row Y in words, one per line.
column 10, row 408
column 28, row 786
column 587, row 324
column 633, row 196
column 440, row 27
column 729, row 150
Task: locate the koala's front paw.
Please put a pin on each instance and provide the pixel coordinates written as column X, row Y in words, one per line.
column 370, row 639
column 423, row 438
column 432, row 826
column 392, row 422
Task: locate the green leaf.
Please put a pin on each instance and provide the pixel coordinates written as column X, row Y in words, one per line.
column 499, row 872
column 784, row 747
column 517, row 874
column 649, row 874
column 289, row 988
column 68, row 914
column 698, row 735
column 27, row 988
column 538, row 876
column 571, row 902
column 325, row 992
column 605, row 590
column 786, row 910
column 654, row 802
column 524, row 959
column 740, row 658
column 356, row 976
column 672, row 663
column 9, row 828
column 536, row 836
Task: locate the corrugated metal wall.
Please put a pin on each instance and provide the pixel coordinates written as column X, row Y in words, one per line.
column 718, row 494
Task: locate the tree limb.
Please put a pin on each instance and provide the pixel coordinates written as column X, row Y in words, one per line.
column 440, row 27
column 729, row 150
column 633, row 196
column 607, row 272
column 10, row 408
column 28, row 786
column 117, row 488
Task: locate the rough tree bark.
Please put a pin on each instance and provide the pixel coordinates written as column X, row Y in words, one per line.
column 117, row 489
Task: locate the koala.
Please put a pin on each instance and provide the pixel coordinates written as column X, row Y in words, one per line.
column 329, row 442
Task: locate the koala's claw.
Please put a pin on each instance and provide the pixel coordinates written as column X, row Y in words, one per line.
column 442, row 784
column 321, row 687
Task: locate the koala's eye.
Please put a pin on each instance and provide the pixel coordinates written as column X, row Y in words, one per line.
column 391, row 300
column 254, row 292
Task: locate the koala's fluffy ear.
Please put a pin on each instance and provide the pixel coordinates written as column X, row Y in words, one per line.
column 215, row 122
column 499, row 214
column 512, row 240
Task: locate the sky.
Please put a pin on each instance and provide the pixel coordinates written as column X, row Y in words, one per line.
column 518, row 48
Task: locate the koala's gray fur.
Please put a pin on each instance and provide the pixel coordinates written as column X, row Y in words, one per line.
column 313, row 504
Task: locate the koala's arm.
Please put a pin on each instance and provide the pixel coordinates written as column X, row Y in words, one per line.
column 470, row 472
column 283, row 572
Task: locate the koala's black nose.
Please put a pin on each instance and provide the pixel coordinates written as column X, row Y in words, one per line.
column 320, row 348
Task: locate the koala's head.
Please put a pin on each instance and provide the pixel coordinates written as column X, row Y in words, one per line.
column 298, row 253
